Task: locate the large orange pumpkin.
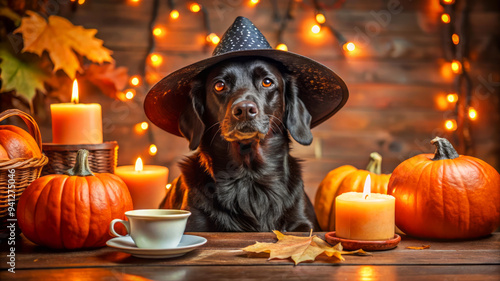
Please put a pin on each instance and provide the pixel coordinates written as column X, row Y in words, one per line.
column 72, row 211
column 346, row 179
column 17, row 143
column 446, row 195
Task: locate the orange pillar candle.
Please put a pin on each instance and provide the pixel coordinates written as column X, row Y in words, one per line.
column 364, row 216
column 147, row 184
column 76, row 123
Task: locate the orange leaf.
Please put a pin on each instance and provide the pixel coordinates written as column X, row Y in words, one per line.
column 423, row 247
column 108, row 78
column 299, row 249
column 61, row 39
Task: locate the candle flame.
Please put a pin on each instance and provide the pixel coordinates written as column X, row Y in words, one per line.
column 138, row 165
column 368, row 186
column 74, row 94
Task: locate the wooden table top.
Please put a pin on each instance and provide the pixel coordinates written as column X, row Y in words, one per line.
column 221, row 259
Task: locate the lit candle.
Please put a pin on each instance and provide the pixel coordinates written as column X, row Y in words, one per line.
column 364, row 216
column 147, row 184
column 76, row 123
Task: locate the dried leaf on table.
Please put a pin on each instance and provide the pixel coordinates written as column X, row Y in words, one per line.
column 298, row 248
column 22, row 75
column 61, row 39
column 423, row 247
column 108, row 78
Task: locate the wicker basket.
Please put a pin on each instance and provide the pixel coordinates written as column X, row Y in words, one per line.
column 103, row 157
column 17, row 173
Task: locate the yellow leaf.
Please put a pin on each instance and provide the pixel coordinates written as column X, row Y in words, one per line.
column 61, row 39
column 297, row 248
column 423, row 247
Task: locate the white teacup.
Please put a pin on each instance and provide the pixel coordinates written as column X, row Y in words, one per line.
column 154, row 228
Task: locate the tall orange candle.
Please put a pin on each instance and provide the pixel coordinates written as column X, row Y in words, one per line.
column 76, row 123
column 146, row 183
column 364, row 216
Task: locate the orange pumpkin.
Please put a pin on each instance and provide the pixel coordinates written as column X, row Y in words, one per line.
column 17, row 143
column 346, row 179
column 72, row 211
column 446, row 195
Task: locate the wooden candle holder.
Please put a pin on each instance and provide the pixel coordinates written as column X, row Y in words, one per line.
column 103, row 157
column 349, row 244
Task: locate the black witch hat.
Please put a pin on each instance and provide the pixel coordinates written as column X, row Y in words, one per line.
column 321, row 90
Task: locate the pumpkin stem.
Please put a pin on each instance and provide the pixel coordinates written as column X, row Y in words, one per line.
column 444, row 149
column 375, row 164
column 81, row 168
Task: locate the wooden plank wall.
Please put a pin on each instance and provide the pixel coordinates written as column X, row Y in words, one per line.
column 397, row 78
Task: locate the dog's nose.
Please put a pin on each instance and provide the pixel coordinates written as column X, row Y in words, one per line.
column 245, row 110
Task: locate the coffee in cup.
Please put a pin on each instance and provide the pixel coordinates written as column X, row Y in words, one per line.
column 154, row 228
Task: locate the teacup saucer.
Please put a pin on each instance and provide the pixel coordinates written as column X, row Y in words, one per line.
column 127, row 245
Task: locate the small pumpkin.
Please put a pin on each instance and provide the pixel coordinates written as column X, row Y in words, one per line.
column 72, row 211
column 17, row 143
column 446, row 195
column 346, row 179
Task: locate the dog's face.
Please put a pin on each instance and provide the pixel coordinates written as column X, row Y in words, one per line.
column 250, row 99
column 245, row 98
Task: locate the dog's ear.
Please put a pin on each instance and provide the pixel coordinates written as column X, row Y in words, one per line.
column 297, row 119
column 191, row 123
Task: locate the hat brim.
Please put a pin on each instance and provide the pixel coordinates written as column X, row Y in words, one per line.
column 321, row 90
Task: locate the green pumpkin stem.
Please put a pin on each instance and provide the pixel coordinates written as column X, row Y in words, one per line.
column 444, row 149
column 81, row 168
column 375, row 164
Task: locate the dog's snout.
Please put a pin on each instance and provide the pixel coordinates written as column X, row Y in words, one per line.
column 245, row 110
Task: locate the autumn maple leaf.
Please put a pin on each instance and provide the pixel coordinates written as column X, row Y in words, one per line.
column 22, row 75
column 299, row 249
column 61, row 39
column 107, row 77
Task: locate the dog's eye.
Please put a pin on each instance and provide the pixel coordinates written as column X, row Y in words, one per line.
column 267, row 82
column 219, row 86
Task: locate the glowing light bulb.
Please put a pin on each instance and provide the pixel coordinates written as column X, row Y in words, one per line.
column 472, row 113
column 81, row 2
column 320, row 18
column 135, row 80
column 448, row 2
column 174, row 14
column 156, row 59
column 456, row 66
column 213, row 38
column 452, row 97
column 349, row 46
column 195, row 7
column 450, row 125
column 159, row 31
column 282, row 47
column 445, row 18
column 130, row 94
column 254, row 2
column 315, row 29
column 140, row 128
column 455, row 38
column 153, row 150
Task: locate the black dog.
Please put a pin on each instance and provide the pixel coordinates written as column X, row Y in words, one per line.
column 242, row 178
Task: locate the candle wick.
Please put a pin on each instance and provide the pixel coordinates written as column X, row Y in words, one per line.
column 366, row 196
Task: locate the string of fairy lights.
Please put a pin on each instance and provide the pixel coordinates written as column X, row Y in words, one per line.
column 154, row 60
column 456, row 51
